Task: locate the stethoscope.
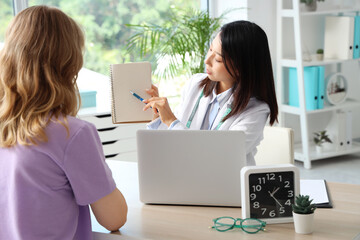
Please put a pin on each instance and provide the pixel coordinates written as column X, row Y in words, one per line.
column 188, row 124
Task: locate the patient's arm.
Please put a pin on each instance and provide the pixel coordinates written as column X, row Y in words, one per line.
column 111, row 210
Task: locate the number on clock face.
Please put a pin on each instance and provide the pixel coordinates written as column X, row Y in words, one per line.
column 271, row 194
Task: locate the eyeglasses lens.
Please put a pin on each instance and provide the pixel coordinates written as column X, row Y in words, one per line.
column 251, row 225
column 224, row 224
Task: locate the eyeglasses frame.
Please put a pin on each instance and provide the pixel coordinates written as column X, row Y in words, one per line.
column 260, row 227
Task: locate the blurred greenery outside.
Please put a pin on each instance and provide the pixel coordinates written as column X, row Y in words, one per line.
column 6, row 14
column 103, row 22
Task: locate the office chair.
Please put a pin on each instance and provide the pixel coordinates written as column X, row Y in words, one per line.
column 277, row 147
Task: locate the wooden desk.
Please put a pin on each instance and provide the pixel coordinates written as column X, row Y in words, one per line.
column 187, row 222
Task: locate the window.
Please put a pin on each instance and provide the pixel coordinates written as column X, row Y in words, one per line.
column 106, row 34
column 6, row 14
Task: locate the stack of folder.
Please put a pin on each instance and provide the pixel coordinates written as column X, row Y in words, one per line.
column 340, row 130
column 314, row 83
column 356, row 37
column 342, row 37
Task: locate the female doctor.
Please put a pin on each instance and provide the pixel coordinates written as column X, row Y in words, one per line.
column 236, row 93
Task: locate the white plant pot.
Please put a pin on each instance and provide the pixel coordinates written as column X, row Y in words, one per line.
column 304, row 223
column 311, row 7
column 319, row 149
column 319, row 56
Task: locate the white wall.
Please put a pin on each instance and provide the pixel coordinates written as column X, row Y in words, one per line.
column 263, row 13
column 217, row 7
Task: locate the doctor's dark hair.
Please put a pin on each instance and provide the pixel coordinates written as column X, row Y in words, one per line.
column 246, row 56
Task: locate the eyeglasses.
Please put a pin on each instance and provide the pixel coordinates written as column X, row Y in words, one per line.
column 248, row 225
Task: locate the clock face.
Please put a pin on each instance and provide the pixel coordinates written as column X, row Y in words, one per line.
column 271, row 194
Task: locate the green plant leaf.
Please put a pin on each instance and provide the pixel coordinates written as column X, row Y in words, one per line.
column 180, row 43
column 303, row 205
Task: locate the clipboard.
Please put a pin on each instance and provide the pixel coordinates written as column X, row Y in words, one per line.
column 317, row 189
column 126, row 77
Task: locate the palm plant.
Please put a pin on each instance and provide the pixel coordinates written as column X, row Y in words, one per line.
column 179, row 45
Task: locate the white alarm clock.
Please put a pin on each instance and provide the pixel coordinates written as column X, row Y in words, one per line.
column 268, row 192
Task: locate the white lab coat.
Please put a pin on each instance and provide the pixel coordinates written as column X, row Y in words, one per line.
column 251, row 121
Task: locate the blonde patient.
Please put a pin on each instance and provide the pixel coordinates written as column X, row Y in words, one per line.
column 52, row 165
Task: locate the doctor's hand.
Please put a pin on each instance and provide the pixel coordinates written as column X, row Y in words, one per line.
column 160, row 106
column 153, row 92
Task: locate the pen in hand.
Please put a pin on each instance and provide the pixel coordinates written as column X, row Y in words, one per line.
column 140, row 98
column 137, row 96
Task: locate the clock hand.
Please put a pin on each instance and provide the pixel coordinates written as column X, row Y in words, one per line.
column 271, row 194
column 275, row 190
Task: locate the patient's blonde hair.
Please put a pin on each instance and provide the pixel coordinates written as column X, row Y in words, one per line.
column 42, row 55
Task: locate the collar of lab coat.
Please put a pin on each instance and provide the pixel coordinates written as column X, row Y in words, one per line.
column 203, row 106
column 221, row 97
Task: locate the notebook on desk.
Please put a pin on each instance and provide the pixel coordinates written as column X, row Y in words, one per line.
column 191, row 167
column 317, row 190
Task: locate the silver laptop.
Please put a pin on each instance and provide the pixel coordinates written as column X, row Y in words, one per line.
column 190, row 167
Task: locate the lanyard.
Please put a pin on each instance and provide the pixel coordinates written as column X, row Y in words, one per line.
column 188, row 124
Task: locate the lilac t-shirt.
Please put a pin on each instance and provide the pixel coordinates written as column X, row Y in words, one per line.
column 45, row 189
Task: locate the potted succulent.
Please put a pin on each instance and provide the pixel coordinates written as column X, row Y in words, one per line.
column 310, row 5
column 320, row 138
column 320, row 54
column 303, row 214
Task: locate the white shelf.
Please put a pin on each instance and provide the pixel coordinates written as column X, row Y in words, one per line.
column 298, row 152
column 293, row 63
column 306, row 152
column 329, row 12
column 349, row 103
column 292, row 13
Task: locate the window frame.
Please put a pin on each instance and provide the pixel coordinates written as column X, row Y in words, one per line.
column 19, row 5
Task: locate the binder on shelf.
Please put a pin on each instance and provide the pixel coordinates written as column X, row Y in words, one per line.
column 348, row 129
column 321, row 89
column 311, row 86
column 356, row 52
column 337, row 130
column 341, row 140
column 339, row 37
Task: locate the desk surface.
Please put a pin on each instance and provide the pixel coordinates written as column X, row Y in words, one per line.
column 188, row 222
